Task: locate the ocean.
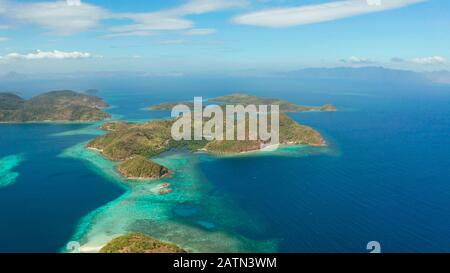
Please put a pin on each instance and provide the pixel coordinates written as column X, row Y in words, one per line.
column 384, row 176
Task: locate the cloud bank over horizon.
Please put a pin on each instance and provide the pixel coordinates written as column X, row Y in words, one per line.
column 222, row 35
column 49, row 55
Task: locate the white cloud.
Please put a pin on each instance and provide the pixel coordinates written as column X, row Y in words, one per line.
column 153, row 23
column 173, row 19
column 310, row 14
column 4, row 27
column 172, row 42
column 138, row 33
column 73, row 2
column 205, row 6
column 3, row 39
column 200, row 31
column 434, row 60
column 357, row 60
column 72, row 16
column 54, row 55
column 61, row 17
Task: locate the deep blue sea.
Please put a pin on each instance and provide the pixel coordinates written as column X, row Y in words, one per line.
column 386, row 179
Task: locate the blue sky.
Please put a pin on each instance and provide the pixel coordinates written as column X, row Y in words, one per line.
column 222, row 36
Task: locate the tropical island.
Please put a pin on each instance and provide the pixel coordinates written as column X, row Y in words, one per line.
column 133, row 144
column 246, row 99
column 285, row 106
column 139, row 243
column 139, row 167
column 170, row 105
column 52, row 106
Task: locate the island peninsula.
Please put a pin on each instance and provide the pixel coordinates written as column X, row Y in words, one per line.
column 54, row 106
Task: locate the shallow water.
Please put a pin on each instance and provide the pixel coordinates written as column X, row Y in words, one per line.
column 193, row 216
column 7, row 166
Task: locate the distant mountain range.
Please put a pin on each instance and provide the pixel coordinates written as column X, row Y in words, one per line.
column 369, row 73
column 442, row 76
column 372, row 74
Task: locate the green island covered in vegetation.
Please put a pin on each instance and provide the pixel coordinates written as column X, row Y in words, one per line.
column 139, row 243
column 170, row 105
column 285, row 106
column 246, row 99
column 52, row 106
column 133, row 144
column 139, row 167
